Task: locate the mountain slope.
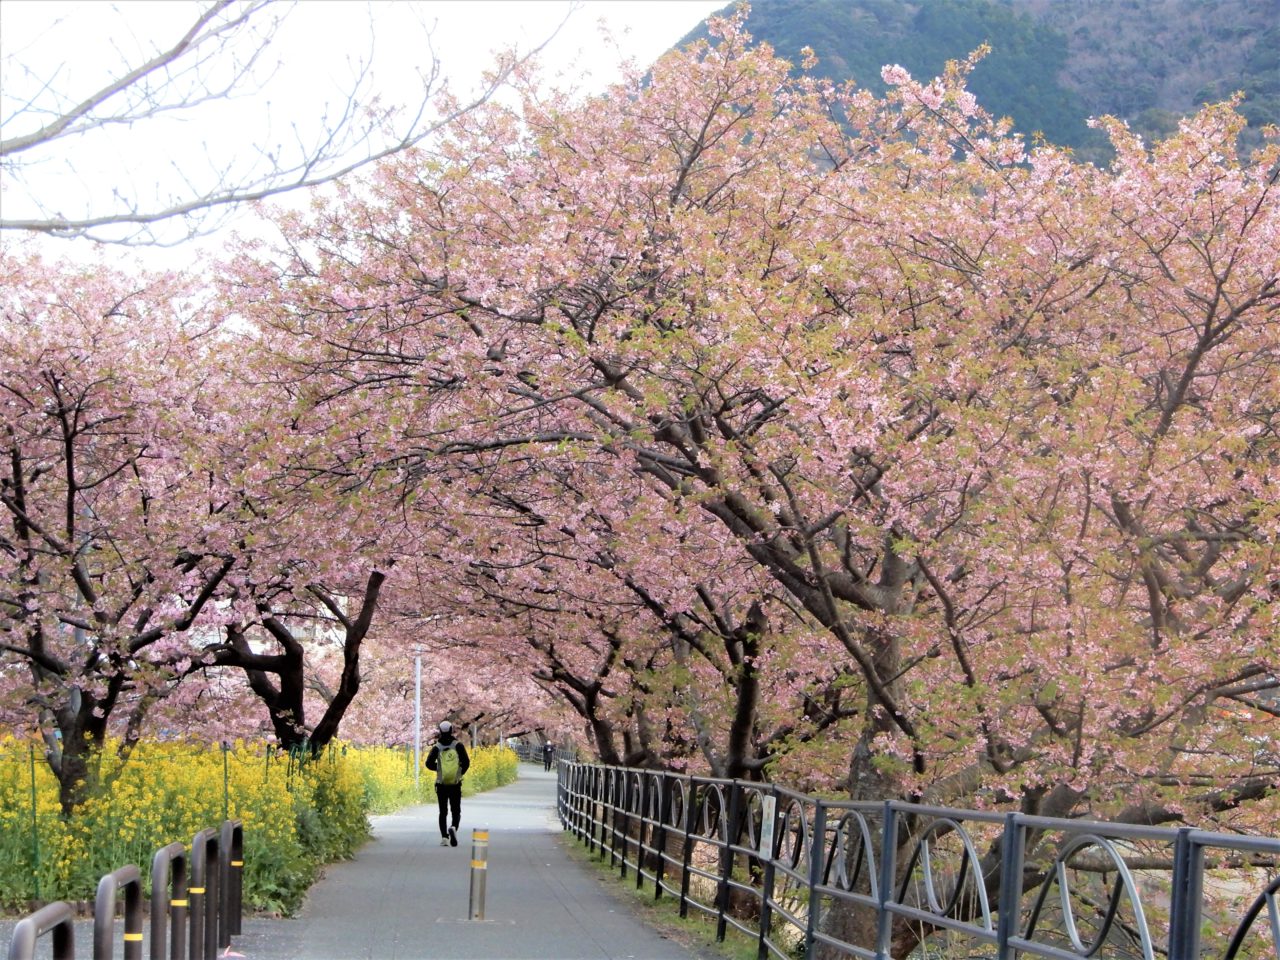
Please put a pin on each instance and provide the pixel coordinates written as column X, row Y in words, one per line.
column 1053, row 63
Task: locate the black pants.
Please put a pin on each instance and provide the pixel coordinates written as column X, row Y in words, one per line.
column 449, row 796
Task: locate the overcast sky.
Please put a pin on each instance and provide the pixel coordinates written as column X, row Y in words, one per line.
column 61, row 49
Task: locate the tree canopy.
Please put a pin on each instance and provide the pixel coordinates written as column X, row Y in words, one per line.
column 765, row 425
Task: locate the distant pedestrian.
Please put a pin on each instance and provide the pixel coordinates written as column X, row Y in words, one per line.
column 548, row 755
column 448, row 758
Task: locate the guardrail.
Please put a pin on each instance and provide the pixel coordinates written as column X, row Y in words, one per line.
column 812, row 877
column 210, row 905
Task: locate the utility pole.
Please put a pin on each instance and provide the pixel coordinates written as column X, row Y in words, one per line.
column 417, row 718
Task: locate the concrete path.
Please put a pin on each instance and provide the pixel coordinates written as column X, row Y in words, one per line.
column 405, row 897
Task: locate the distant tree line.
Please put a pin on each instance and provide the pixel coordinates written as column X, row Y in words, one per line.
column 1051, row 65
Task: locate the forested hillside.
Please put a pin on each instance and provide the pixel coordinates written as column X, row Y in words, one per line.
column 1053, row 63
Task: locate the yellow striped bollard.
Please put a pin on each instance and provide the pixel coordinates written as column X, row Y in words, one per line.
column 479, row 868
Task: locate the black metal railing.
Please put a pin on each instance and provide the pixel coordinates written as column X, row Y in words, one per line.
column 201, row 892
column 808, row 877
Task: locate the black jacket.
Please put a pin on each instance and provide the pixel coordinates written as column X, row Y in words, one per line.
column 433, row 757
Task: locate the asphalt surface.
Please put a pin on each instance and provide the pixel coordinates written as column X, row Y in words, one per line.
column 405, row 897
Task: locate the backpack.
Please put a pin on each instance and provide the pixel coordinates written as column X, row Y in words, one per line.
column 447, row 772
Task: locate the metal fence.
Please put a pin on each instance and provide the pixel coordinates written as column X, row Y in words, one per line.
column 196, row 905
column 811, row 877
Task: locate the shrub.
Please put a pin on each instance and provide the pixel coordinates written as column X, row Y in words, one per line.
column 297, row 814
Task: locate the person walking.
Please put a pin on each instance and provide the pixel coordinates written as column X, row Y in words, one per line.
column 548, row 754
column 448, row 758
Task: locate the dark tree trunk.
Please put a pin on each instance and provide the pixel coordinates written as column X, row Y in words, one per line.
column 69, row 755
column 746, row 646
column 349, row 685
column 279, row 679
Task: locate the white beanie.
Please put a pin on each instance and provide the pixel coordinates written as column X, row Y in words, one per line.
column 446, row 726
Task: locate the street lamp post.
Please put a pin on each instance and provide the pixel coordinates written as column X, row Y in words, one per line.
column 417, row 718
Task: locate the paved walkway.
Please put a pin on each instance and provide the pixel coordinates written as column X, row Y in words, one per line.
column 404, row 897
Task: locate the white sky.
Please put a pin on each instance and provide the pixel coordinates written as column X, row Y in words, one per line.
column 53, row 48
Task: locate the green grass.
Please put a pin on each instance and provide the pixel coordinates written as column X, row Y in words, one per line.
column 697, row 931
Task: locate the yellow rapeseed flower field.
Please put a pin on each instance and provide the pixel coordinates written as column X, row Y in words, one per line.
column 298, row 812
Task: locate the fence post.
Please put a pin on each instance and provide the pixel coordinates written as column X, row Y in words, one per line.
column 599, row 810
column 622, row 805
column 56, row 917
column 560, row 795
column 590, row 807
column 104, row 913
column 1010, row 885
column 768, row 813
column 566, row 786
column 888, row 871
column 612, row 794
column 660, row 835
column 731, row 829
column 817, row 843
column 579, row 784
column 642, row 814
column 1184, row 913
column 230, row 880
column 203, row 895
column 169, row 885
column 686, row 855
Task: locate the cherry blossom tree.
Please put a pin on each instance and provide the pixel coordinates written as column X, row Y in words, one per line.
column 663, row 652
column 115, row 542
column 522, row 547
column 1002, row 424
column 153, row 537
column 317, row 559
